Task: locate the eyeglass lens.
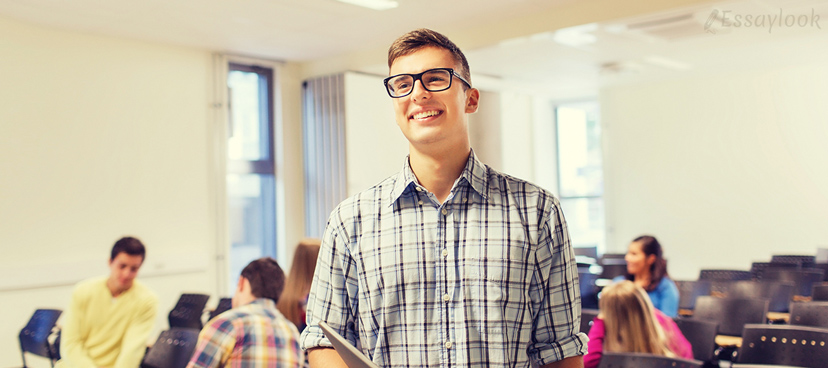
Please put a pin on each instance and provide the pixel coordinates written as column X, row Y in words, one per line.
column 433, row 81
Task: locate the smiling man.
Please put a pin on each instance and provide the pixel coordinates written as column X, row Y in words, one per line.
column 448, row 263
column 110, row 317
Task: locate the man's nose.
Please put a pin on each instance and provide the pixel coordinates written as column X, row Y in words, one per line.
column 419, row 92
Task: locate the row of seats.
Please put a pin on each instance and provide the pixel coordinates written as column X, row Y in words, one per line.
column 172, row 349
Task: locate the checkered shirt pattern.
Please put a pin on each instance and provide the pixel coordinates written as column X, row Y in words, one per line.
column 251, row 336
column 486, row 279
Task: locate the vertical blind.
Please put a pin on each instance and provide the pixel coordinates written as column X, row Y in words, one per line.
column 324, row 143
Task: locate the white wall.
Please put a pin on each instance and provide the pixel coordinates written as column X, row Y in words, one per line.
column 99, row 138
column 374, row 145
column 723, row 169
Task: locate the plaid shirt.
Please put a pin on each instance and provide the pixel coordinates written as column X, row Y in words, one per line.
column 487, row 278
column 253, row 335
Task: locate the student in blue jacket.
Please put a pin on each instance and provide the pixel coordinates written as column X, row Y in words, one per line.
column 647, row 267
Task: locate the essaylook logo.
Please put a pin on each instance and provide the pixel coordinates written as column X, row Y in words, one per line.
column 728, row 19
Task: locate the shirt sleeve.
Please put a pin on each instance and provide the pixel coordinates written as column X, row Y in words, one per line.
column 73, row 353
column 596, row 344
column 555, row 294
column 215, row 344
column 334, row 289
column 668, row 297
column 134, row 343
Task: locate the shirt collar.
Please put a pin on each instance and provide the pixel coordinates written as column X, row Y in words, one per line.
column 474, row 174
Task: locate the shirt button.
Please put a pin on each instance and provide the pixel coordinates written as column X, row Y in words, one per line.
column 419, row 189
column 446, row 297
column 420, row 202
column 448, row 344
column 465, row 199
column 445, row 252
column 445, row 212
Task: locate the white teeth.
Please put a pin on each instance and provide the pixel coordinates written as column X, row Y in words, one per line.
column 425, row 114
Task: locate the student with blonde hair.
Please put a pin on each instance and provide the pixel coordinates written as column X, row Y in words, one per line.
column 295, row 297
column 628, row 323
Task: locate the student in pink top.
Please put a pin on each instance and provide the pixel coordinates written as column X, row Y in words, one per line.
column 629, row 323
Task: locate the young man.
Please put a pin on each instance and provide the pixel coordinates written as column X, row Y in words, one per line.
column 449, row 263
column 110, row 318
column 254, row 333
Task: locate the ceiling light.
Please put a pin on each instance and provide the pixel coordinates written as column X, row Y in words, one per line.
column 576, row 36
column 667, row 63
column 373, row 4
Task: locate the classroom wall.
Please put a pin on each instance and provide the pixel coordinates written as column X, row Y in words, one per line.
column 100, row 138
column 724, row 169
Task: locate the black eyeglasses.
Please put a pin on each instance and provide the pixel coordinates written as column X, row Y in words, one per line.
column 433, row 80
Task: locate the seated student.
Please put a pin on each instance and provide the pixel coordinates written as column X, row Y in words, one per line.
column 254, row 333
column 294, row 299
column 647, row 267
column 628, row 323
column 110, row 318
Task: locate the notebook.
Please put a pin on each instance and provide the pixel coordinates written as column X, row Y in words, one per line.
column 352, row 357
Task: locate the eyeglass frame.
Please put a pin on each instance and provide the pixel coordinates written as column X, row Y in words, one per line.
column 418, row 77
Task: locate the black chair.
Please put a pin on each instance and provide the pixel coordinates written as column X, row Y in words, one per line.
column 821, row 266
column 757, row 269
column 814, row 314
column 589, row 291
column 34, row 338
column 173, row 349
column 721, row 279
column 613, row 268
column 798, row 346
column 804, row 279
column 188, row 310
column 591, row 252
column 779, row 294
column 793, row 259
column 639, row 360
column 690, row 290
column 224, row 305
column 732, row 314
column 587, row 315
column 725, row 275
column 819, row 292
column 701, row 335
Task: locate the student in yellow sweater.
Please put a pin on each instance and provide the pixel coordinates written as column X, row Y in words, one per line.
column 110, row 318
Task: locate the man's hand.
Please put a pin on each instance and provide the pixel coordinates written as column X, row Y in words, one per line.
column 327, row 357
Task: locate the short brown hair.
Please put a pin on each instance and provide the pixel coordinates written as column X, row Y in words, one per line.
column 421, row 38
column 266, row 278
column 129, row 245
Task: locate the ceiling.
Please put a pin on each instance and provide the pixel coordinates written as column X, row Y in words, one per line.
column 517, row 44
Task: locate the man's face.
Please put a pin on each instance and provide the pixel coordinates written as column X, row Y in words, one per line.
column 123, row 270
column 433, row 119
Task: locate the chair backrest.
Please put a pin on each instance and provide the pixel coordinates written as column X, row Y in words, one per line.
column 780, row 294
column 702, row 336
column 724, row 275
column 587, row 315
column 690, row 290
column 613, row 268
column 799, row 346
column 34, row 337
column 819, row 292
column 188, row 311
column 803, row 278
column 591, row 252
column 639, row 360
column 794, row 259
column 813, row 314
column 224, row 305
column 173, row 349
column 732, row 314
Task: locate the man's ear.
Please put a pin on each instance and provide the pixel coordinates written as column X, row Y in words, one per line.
column 472, row 100
column 240, row 286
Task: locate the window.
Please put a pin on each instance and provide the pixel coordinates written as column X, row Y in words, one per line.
column 251, row 191
column 580, row 173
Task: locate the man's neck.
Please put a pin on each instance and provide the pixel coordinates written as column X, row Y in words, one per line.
column 114, row 290
column 438, row 170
